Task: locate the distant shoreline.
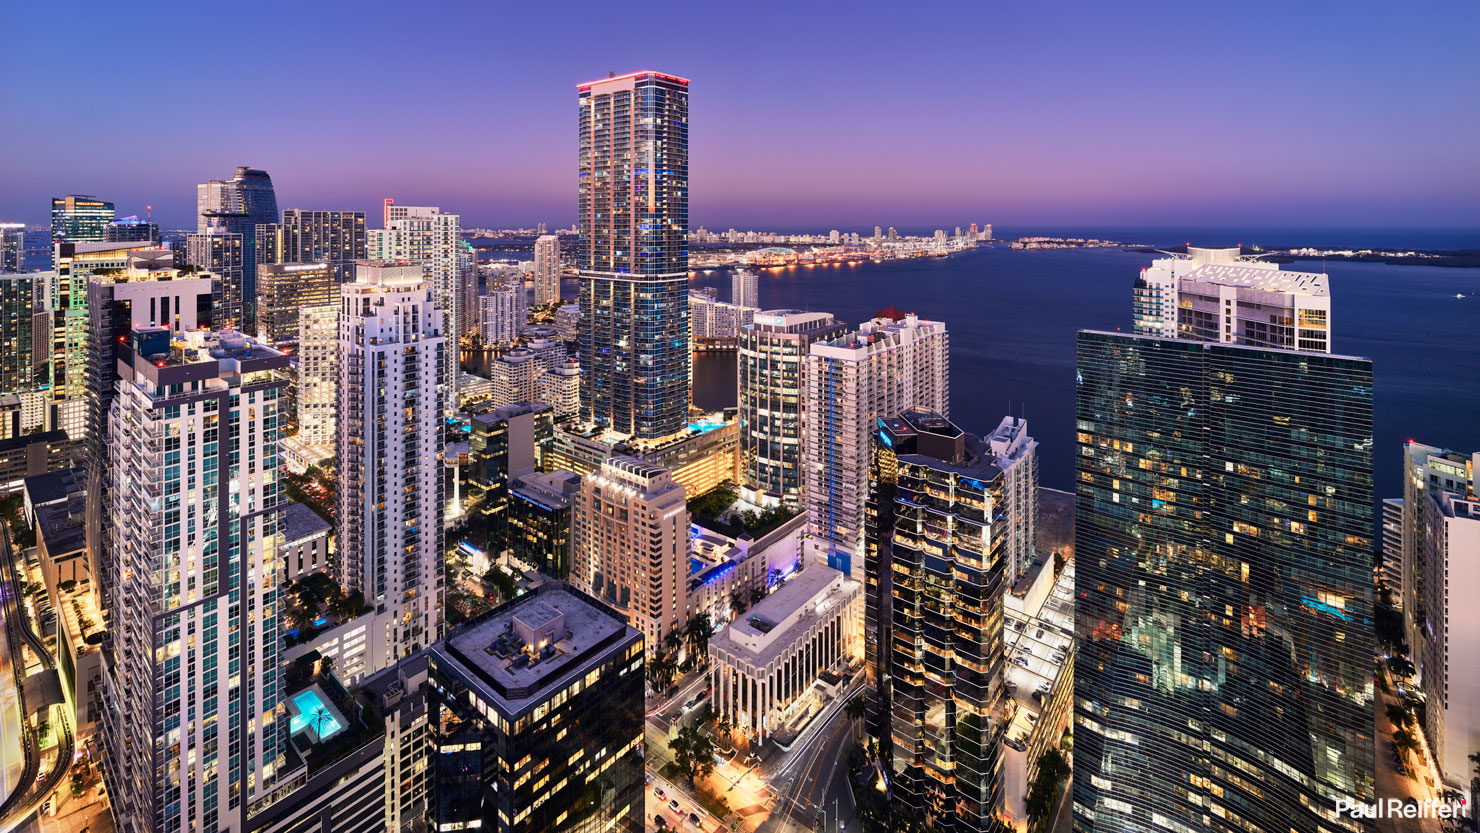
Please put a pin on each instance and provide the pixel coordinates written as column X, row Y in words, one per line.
column 1452, row 258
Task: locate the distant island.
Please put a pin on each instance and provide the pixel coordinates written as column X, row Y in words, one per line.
column 1458, row 258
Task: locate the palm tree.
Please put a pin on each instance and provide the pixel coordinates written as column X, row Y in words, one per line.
column 697, row 634
column 856, row 709
column 737, row 603
column 1398, row 715
column 320, row 714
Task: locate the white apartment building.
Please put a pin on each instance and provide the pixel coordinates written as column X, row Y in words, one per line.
column 391, row 350
column 425, row 235
column 501, row 314
column 546, row 270
column 1217, row 295
column 763, row 664
column 318, row 374
column 890, row 363
column 560, row 388
column 1016, row 454
column 567, row 322
column 745, row 289
column 515, row 375
column 711, row 319
column 1443, row 507
column 195, row 728
column 630, row 545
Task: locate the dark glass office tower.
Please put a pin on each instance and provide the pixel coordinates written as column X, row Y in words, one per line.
column 1223, row 523
column 937, row 531
column 251, row 200
column 633, row 254
column 536, row 719
column 333, row 237
column 77, row 218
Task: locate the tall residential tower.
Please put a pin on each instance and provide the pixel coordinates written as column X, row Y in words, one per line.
column 633, row 184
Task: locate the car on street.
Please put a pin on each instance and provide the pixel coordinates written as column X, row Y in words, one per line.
column 673, row 805
column 694, row 819
column 658, row 791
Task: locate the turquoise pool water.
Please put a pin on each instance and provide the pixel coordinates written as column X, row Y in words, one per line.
column 308, row 704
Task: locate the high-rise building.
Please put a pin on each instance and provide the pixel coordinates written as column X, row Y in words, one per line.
column 317, row 375
column 501, row 314
column 1016, row 454
column 237, row 206
column 773, row 350
column 1217, row 295
column 1426, row 470
column 716, row 323
column 467, row 289
column 503, row 444
column 1223, row 549
column 130, row 230
column 1444, row 517
column 515, row 376
column 284, row 290
column 502, row 684
column 891, row 363
column 633, row 254
column 539, row 520
column 333, row 237
column 560, row 387
column 546, row 270
column 630, row 544
column 221, row 250
column 426, row 235
column 933, row 641
column 12, row 247
column 76, row 218
column 745, row 288
column 568, row 322
column 19, row 369
column 193, row 727
column 389, row 448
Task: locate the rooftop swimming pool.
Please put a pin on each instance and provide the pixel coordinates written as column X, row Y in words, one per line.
column 307, row 706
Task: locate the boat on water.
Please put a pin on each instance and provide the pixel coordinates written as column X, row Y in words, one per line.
column 1459, row 295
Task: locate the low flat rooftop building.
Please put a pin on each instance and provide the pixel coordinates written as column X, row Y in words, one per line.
column 1039, row 644
column 764, row 663
column 537, row 699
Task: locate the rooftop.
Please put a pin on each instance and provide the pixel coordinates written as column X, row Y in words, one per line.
column 552, row 490
column 1254, row 277
column 761, row 634
column 56, row 485
column 507, row 656
column 300, row 522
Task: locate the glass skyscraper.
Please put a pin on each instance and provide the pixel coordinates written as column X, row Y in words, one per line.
column 633, row 253
column 75, row 218
column 937, row 541
column 1223, row 523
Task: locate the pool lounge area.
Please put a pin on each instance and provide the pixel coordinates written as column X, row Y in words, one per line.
column 310, row 711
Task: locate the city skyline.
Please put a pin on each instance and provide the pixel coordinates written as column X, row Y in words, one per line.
column 1277, row 117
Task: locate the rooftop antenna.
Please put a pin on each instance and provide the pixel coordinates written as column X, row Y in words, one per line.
column 148, row 213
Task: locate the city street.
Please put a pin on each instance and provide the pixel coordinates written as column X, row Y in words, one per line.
column 1391, row 783
column 10, row 730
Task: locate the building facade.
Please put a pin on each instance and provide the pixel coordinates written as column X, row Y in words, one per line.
column 427, row 235
column 284, row 290
column 891, row 363
column 238, row 206
column 390, row 458
column 933, row 641
column 772, row 351
column 629, row 544
column 536, row 714
column 501, row 314
column 317, row 376
column 223, row 253
column 504, row 444
column 539, row 520
column 76, row 218
column 12, row 247
column 1016, row 454
column 716, row 324
column 19, row 369
column 1217, row 295
column 193, row 730
column 333, row 237
column 745, row 289
column 560, row 386
column 763, row 664
column 546, row 270
column 1223, row 548
column 515, row 376
column 633, row 254
column 1442, row 515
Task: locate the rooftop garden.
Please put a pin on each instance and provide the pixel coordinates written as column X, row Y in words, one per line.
column 721, row 510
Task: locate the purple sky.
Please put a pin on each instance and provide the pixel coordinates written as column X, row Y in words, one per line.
column 845, row 115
